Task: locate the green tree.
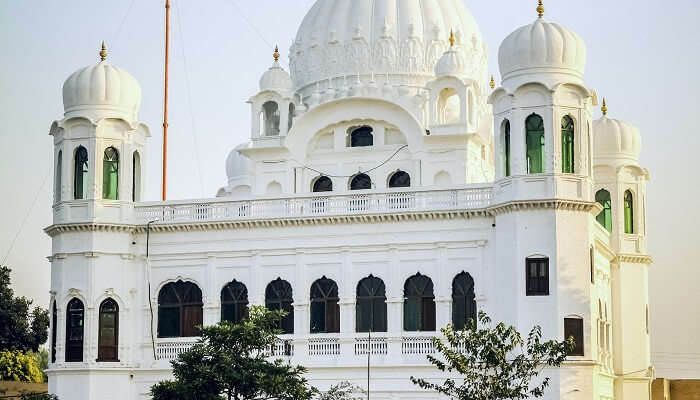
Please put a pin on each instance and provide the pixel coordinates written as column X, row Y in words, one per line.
column 19, row 367
column 343, row 391
column 494, row 363
column 230, row 361
column 20, row 328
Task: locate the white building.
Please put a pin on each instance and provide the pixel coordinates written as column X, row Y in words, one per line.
column 386, row 177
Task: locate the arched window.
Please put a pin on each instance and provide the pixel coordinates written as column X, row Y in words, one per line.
column 371, row 305
column 463, row 301
column 419, row 304
column 361, row 182
column 629, row 212
column 110, row 174
column 605, row 217
column 136, row 178
column 506, row 148
column 400, row 179
column 108, row 332
column 234, row 302
column 54, row 321
column 534, row 138
column 290, row 117
column 278, row 296
column 179, row 310
column 59, row 170
column 80, row 174
column 274, row 188
column 442, row 178
column 567, row 145
column 449, row 107
column 325, row 311
column 271, row 118
column 75, row 321
column 361, row 137
column 323, row 184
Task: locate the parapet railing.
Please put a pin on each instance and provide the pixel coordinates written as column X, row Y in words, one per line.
column 317, row 205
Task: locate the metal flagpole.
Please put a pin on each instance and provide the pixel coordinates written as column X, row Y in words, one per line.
column 165, row 99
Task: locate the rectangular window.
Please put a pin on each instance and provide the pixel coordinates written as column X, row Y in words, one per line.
column 573, row 327
column 537, row 276
column 592, row 259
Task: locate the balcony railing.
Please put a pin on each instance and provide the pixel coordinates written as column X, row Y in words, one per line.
column 375, row 345
column 325, row 346
column 361, row 203
column 170, row 349
column 417, row 345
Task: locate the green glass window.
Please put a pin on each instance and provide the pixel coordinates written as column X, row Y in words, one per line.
column 59, row 168
column 110, row 174
column 506, row 147
column 534, row 126
column 80, row 176
column 629, row 212
column 605, row 216
column 567, row 145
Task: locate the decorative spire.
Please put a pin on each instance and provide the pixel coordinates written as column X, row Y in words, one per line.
column 452, row 38
column 492, row 83
column 103, row 52
column 540, row 9
column 604, row 109
column 276, row 54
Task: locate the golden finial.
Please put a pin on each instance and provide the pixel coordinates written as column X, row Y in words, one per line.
column 540, row 9
column 604, row 109
column 452, row 38
column 492, row 83
column 276, row 54
column 103, row 52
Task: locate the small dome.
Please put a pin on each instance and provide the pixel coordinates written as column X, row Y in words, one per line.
column 450, row 64
column 102, row 87
column 276, row 78
column 616, row 139
column 237, row 165
column 545, row 49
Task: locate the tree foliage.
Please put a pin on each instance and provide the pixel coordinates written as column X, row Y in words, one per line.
column 230, row 361
column 17, row 366
column 343, row 391
column 494, row 363
column 21, row 328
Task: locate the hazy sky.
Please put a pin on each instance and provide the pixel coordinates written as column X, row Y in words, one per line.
column 643, row 56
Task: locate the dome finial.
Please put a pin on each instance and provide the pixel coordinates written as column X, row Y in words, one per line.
column 604, row 108
column 276, row 54
column 540, row 9
column 492, row 84
column 103, row 52
column 452, row 38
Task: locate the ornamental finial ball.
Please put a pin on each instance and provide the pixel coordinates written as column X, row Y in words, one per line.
column 604, row 108
column 452, row 38
column 492, row 83
column 276, row 54
column 103, row 52
column 540, row 9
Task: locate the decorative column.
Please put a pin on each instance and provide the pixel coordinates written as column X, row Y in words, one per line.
column 212, row 310
column 394, row 308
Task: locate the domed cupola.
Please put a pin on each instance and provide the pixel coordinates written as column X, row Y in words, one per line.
column 451, row 63
column 543, row 52
column 100, row 91
column 276, row 78
column 615, row 140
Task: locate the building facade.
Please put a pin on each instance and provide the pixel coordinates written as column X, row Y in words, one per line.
column 387, row 186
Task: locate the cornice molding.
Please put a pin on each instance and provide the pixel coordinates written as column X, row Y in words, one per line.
column 498, row 209
column 633, row 258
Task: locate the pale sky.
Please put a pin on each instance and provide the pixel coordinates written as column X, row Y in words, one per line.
column 643, row 56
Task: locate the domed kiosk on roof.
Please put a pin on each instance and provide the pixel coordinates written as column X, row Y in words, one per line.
column 615, row 139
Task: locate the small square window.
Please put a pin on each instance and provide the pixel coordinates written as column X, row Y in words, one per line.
column 537, row 276
column 573, row 327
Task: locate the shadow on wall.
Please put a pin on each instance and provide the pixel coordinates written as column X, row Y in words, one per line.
column 684, row 389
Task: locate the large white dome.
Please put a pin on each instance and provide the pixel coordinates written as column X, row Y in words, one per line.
column 616, row 139
column 400, row 38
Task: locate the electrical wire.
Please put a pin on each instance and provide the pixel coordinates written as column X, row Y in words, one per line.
column 252, row 26
column 26, row 216
column 359, row 172
column 189, row 101
column 121, row 25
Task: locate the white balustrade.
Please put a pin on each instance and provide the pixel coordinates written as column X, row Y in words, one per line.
column 170, row 349
column 324, row 346
column 468, row 198
column 375, row 345
column 281, row 348
column 417, row 345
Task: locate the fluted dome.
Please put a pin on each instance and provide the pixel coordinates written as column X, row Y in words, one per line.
column 396, row 38
column 450, row 64
column 616, row 139
column 547, row 50
column 237, row 165
column 102, row 88
column 276, row 78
